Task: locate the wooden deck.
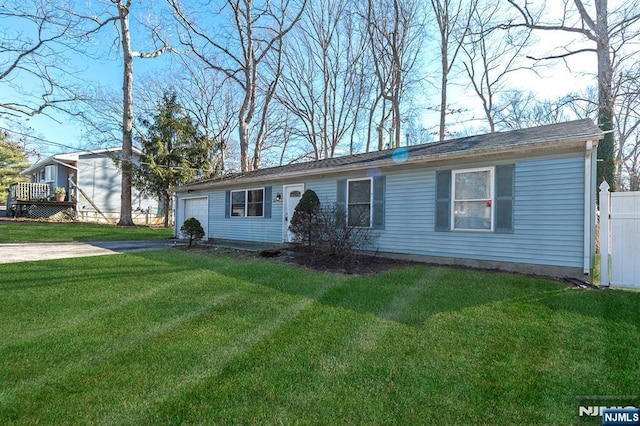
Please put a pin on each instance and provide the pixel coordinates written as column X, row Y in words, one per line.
column 34, row 200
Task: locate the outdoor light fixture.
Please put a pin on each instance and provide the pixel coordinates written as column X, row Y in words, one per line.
column 278, row 197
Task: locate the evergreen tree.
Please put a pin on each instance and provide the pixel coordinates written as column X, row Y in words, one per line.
column 13, row 160
column 193, row 229
column 174, row 152
column 304, row 223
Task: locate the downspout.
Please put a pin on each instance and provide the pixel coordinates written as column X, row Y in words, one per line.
column 589, row 206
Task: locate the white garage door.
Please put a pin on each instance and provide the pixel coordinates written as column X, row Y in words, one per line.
column 198, row 208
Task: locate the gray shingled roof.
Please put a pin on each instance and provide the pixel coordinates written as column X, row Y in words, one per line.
column 572, row 131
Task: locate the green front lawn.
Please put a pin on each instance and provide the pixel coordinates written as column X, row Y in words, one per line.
column 173, row 337
column 49, row 232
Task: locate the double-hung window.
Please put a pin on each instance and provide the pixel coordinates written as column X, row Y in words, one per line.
column 49, row 172
column 359, row 203
column 473, row 199
column 481, row 199
column 247, row 203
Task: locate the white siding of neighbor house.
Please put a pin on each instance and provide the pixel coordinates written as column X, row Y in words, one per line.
column 101, row 180
column 548, row 215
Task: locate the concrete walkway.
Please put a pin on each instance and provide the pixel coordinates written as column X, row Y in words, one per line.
column 28, row 252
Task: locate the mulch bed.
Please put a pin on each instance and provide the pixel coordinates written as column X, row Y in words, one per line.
column 359, row 265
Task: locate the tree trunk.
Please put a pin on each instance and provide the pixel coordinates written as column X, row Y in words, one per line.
column 167, row 208
column 606, row 149
column 127, row 119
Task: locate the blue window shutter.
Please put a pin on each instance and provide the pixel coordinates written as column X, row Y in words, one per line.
column 227, row 204
column 443, row 200
column 267, row 202
column 341, row 194
column 505, row 191
column 377, row 220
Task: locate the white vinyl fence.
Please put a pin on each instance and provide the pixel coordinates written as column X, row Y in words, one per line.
column 619, row 238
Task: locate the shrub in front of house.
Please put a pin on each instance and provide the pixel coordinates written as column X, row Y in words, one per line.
column 325, row 233
column 304, row 223
column 193, row 229
column 340, row 241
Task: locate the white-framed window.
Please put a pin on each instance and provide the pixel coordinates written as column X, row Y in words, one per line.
column 247, row 203
column 359, row 202
column 49, row 173
column 472, row 201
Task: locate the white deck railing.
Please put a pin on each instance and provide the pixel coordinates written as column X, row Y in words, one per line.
column 29, row 192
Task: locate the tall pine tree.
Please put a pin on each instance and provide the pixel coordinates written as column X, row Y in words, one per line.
column 174, row 152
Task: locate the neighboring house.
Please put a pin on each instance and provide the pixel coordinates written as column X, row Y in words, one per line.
column 93, row 187
column 520, row 200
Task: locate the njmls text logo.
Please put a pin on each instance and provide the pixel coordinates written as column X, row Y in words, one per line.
column 621, row 416
column 613, row 416
column 619, row 409
column 595, row 411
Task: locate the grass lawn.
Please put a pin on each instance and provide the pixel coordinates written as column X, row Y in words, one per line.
column 175, row 337
column 50, row 232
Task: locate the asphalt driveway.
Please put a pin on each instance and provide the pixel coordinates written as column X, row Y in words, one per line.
column 27, row 252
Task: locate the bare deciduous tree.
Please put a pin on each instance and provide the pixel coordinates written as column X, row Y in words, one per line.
column 453, row 18
column 321, row 82
column 395, row 30
column 252, row 30
column 33, row 46
column 491, row 55
column 606, row 34
column 120, row 18
column 204, row 94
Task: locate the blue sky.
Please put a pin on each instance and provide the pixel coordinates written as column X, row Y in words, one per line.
column 106, row 72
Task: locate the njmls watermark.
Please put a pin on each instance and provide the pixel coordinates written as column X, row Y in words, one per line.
column 609, row 410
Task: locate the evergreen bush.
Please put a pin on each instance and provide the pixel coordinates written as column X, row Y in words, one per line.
column 193, row 229
column 304, row 223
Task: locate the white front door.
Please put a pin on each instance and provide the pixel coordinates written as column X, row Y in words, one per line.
column 292, row 195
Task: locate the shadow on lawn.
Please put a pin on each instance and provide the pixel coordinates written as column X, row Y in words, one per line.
column 81, row 271
column 412, row 294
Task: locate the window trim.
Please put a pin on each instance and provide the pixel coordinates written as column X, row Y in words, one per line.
column 492, row 196
column 49, row 173
column 370, row 179
column 246, row 202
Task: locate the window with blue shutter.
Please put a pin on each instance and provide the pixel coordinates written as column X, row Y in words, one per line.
column 363, row 201
column 248, row 203
column 341, row 194
column 443, row 200
column 377, row 214
column 267, row 202
column 475, row 205
column 505, row 190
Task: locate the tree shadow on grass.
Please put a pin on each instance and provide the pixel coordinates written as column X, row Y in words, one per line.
column 413, row 294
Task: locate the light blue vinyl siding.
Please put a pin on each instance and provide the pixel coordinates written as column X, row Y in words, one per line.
column 244, row 228
column 548, row 215
column 258, row 228
column 548, row 218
